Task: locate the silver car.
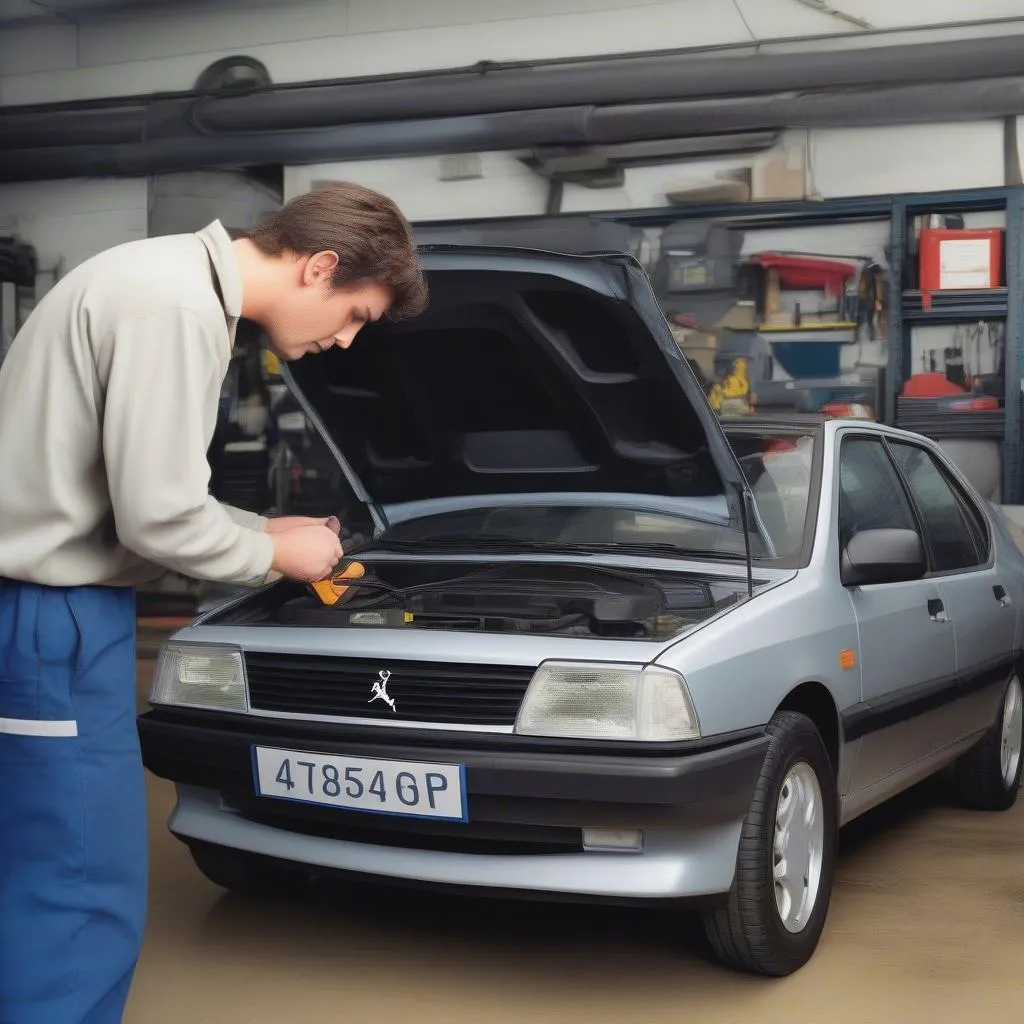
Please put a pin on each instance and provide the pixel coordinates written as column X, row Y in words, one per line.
column 604, row 646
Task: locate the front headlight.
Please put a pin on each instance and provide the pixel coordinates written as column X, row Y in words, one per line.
column 581, row 700
column 195, row 676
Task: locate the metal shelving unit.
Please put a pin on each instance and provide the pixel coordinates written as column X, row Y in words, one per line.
column 955, row 306
column 916, row 309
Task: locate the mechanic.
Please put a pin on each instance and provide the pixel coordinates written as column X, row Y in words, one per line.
column 108, row 402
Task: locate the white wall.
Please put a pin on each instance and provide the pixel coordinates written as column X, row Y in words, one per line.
column 837, row 162
column 189, row 200
column 907, row 158
column 848, row 162
column 507, row 189
column 69, row 221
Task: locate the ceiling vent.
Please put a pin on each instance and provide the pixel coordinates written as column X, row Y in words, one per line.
column 232, row 73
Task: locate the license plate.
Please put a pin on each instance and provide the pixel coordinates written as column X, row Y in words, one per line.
column 406, row 788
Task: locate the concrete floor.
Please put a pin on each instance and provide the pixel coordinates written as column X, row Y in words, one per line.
column 926, row 925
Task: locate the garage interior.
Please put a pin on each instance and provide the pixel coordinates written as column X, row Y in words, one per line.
column 842, row 236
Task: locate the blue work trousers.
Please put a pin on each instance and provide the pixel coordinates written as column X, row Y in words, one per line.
column 73, row 850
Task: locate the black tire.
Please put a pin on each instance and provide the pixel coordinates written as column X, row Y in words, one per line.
column 747, row 932
column 246, row 873
column 978, row 774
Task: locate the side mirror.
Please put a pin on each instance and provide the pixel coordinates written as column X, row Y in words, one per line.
column 882, row 556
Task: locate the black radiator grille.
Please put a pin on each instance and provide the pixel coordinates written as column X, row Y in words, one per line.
column 423, row 691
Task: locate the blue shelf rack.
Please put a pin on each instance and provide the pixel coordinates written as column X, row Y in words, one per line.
column 908, row 308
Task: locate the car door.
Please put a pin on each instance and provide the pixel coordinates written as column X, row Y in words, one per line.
column 906, row 641
column 978, row 601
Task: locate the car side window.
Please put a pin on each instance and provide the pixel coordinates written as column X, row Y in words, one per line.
column 957, row 539
column 871, row 496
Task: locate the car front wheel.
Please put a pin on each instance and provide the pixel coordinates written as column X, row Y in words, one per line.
column 775, row 912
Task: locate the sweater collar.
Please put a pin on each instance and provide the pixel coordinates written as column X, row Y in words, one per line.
column 225, row 266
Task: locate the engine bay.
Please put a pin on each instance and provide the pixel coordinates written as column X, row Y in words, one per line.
column 551, row 599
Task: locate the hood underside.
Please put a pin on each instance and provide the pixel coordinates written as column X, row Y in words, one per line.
column 530, row 373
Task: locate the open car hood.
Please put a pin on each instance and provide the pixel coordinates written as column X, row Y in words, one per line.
column 532, row 373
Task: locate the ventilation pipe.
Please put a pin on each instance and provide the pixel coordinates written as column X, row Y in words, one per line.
column 185, row 132
column 493, row 88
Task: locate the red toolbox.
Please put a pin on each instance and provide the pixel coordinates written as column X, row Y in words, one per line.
column 807, row 273
column 960, row 258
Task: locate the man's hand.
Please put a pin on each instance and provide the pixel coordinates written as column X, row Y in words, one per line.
column 282, row 523
column 306, row 552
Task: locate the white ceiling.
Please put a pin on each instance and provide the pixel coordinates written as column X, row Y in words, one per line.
column 85, row 11
column 898, row 14
column 760, row 19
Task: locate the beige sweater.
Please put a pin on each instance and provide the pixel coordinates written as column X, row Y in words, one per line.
column 108, row 401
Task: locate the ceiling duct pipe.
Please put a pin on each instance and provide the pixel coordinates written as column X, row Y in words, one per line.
column 568, row 126
column 497, row 88
column 108, row 126
column 519, row 130
column 676, row 76
column 861, row 108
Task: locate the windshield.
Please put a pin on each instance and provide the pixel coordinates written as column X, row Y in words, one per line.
column 778, row 466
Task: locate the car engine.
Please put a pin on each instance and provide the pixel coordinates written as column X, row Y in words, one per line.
column 559, row 600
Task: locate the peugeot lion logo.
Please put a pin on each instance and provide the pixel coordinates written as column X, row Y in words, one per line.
column 380, row 690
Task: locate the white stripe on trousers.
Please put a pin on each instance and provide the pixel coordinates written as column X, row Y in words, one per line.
column 32, row 727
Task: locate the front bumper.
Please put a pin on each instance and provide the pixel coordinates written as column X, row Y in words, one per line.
column 528, row 804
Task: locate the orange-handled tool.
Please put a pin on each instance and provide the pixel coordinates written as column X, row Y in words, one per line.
column 331, row 589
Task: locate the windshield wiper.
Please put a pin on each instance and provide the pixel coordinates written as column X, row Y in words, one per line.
column 496, row 542
column 661, row 548
column 491, row 542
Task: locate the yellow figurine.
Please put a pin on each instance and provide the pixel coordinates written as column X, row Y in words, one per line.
column 735, row 386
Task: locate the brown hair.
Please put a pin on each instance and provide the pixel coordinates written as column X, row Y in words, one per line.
column 372, row 238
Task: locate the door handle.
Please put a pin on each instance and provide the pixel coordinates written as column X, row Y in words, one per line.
column 937, row 610
column 1002, row 596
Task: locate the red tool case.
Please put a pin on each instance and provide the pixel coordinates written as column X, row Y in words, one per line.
column 807, row 273
column 960, row 258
